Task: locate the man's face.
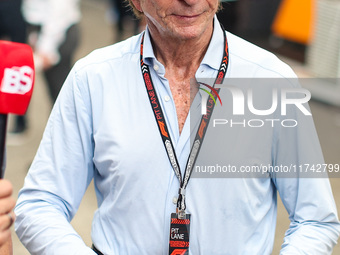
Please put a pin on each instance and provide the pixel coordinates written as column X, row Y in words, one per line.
column 180, row 19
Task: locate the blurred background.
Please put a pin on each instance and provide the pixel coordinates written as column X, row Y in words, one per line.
column 304, row 33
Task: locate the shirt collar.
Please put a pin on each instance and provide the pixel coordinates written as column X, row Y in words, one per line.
column 212, row 57
column 147, row 47
column 214, row 54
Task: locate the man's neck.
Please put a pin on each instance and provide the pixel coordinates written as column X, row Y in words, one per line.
column 181, row 59
column 177, row 54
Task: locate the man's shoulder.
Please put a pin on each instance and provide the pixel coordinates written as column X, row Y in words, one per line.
column 251, row 60
column 115, row 54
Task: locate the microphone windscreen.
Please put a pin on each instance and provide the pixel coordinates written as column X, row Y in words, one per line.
column 16, row 77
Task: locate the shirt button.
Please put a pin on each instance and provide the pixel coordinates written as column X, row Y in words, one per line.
column 166, row 98
column 156, row 67
column 174, row 200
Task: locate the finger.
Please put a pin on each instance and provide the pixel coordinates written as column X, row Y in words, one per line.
column 4, row 236
column 6, row 188
column 6, row 221
column 6, row 205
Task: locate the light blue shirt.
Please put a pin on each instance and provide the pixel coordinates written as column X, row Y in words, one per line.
column 102, row 127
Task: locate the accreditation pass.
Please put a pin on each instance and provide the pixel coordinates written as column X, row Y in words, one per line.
column 179, row 235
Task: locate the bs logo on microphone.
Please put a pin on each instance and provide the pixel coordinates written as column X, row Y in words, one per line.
column 17, row 80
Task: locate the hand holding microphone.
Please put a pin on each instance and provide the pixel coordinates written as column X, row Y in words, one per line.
column 7, row 216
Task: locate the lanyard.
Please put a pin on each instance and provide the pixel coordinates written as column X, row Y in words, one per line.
column 164, row 131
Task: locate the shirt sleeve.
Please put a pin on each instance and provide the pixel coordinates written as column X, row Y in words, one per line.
column 305, row 191
column 314, row 227
column 58, row 177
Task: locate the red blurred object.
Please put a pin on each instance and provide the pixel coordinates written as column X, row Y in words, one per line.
column 16, row 77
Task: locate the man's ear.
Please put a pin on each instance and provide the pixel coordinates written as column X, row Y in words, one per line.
column 137, row 4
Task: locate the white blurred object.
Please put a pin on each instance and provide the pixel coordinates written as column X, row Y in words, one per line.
column 323, row 55
column 324, row 52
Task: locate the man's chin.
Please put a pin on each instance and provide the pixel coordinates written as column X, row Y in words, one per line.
column 188, row 33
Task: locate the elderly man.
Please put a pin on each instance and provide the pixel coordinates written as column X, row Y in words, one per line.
column 122, row 119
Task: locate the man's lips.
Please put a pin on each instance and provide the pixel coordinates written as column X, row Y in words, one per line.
column 186, row 16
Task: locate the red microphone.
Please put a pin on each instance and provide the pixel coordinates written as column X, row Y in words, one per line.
column 16, row 85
